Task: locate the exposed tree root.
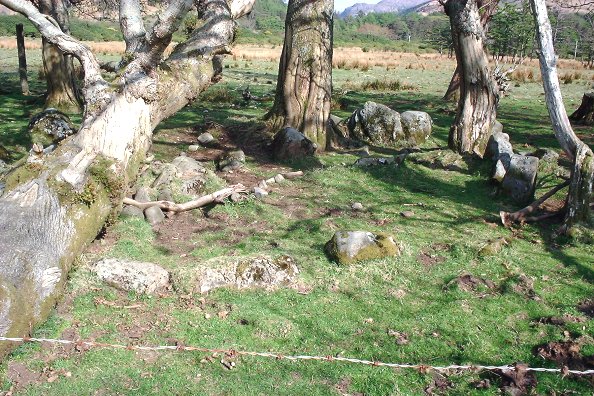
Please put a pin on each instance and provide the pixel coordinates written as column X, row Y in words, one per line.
column 522, row 215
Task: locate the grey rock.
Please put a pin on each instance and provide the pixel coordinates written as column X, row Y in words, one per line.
column 154, row 215
column 347, row 247
column 357, row 206
column 520, row 179
column 235, row 197
column 279, row 178
column 407, row 214
column 132, row 211
column 498, row 146
column 168, row 173
column 193, row 147
column 128, row 275
column 142, row 194
column 2, row 187
column 290, row 144
column 500, row 150
column 259, row 192
column 49, row 127
column 231, row 160
column 417, row 126
column 374, row 161
column 165, row 195
column 497, row 127
column 547, row 155
column 188, row 167
column 148, row 159
column 377, row 124
column 205, row 138
column 243, row 272
column 263, row 184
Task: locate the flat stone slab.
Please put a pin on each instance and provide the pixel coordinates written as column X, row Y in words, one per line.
column 241, row 273
column 128, row 275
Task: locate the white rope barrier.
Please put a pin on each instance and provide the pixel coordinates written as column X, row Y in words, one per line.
column 279, row 356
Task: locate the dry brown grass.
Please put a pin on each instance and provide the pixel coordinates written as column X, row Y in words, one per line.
column 349, row 58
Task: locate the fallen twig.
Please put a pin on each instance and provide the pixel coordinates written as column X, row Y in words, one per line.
column 522, row 215
column 215, row 197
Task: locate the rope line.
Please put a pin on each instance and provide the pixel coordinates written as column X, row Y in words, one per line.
column 279, row 356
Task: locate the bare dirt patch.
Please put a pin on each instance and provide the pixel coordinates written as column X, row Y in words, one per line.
column 565, row 353
column 587, row 308
column 517, row 382
column 472, row 284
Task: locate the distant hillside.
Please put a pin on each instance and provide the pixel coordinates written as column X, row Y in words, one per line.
column 393, row 6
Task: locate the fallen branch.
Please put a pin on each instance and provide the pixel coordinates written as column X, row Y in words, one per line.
column 522, row 215
column 215, row 197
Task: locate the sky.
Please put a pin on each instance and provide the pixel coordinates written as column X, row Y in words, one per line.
column 340, row 5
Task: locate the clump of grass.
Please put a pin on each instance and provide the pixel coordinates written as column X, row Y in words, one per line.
column 220, row 94
column 381, row 85
column 571, row 76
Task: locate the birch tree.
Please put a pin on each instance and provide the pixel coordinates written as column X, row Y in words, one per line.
column 582, row 173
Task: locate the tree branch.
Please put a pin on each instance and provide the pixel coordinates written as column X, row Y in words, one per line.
column 95, row 89
column 132, row 26
column 216, row 197
column 521, row 215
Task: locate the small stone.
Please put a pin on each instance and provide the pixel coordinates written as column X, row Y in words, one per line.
column 357, row 206
column 263, row 184
column 193, row 147
column 347, row 247
column 154, row 215
column 235, row 197
column 149, row 158
column 407, row 213
column 205, row 138
column 373, row 161
column 259, row 192
column 131, row 211
column 279, row 178
column 270, row 181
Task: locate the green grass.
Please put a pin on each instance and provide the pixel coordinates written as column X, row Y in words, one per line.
column 444, row 325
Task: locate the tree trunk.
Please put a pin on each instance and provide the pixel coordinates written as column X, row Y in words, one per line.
column 56, row 204
column 22, row 59
column 582, row 174
column 486, row 13
column 585, row 113
column 62, row 92
column 479, row 94
column 454, row 85
column 304, row 87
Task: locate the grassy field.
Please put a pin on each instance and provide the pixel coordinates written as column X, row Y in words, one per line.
column 410, row 309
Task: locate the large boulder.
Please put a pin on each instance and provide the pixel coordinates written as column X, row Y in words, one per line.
column 239, row 272
column 49, row 127
column 290, row 144
column 416, row 125
column 131, row 275
column 377, row 124
column 347, row 247
column 520, row 179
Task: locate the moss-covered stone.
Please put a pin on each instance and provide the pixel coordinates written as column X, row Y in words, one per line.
column 347, row 247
